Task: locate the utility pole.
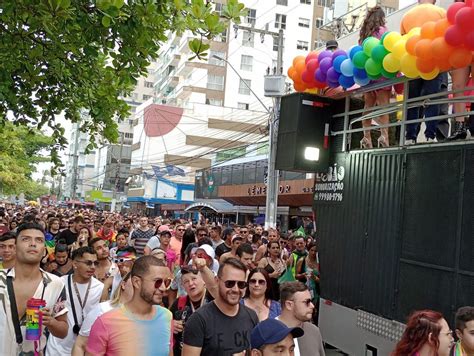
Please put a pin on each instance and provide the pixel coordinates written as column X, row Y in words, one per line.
column 75, row 162
column 117, row 175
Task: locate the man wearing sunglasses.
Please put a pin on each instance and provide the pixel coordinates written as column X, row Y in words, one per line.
column 141, row 326
column 222, row 327
column 297, row 311
column 83, row 293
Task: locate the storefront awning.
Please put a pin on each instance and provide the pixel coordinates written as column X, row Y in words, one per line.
column 218, row 205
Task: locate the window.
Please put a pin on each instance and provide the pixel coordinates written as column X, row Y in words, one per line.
column 388, row 10
column 282, row 2
column 275, row 43
column 215, row 61
column 246, row 63
column 325, row 3
column 303, row 45
column 302, row 22
column 248, row 38
column 215, row 102
column 319, row 22
column 146, row 97
column 242, row 106
column 215, row 82
column 128, row 134
column 219, row 8
column 319, row 44
column 148, row 84
column 222, row 37
column 305, row 2
column 252, row 16
column 243, row 88
column 280, row 21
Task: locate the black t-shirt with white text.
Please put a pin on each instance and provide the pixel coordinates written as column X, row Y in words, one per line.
column 218, row 334
column 221, row 249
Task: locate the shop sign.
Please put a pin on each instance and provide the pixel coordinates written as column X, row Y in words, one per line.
column 255, row 190
column 329, row 187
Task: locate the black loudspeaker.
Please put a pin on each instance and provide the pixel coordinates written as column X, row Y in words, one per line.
column 304, row 122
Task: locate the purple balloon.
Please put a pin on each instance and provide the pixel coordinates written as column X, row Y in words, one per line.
column 333, row 84
column 339, row 52
column 324, row 54
column 332, row 75
column 319, row 75
column 325, row 64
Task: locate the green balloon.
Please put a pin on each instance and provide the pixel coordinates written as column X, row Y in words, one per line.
column 378, row 53
column 369, row 44
column 374, row 77
column 372, row 67
column 388, row 75
column 359, row 60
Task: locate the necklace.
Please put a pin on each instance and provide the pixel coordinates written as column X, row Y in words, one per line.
column 81, row 303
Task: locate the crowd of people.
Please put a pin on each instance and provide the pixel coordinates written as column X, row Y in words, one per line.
column 113, row 284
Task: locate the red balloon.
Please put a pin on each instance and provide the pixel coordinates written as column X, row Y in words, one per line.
column 460, row 58
column 453, row 10
column 425, row 66
column 469, row 2
column 320, row 85
column 311, row 55
column 465, row 18
column 454, row 35
column 312, row 65
column 469, row 41
column 307, row 77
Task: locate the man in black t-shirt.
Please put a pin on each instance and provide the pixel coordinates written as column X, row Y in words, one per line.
column 70, row 235
column 222, row 327
column 226, row 246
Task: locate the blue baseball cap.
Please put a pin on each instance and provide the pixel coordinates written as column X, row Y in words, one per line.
column 271, row 331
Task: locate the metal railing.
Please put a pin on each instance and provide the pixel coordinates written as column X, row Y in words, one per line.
column 399, row 106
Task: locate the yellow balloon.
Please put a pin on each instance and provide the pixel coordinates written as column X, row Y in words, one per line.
column 391, row 63
column 408, row 66
column 431, row 75
column 390, row 40
column 399, row 49
column 414, row 31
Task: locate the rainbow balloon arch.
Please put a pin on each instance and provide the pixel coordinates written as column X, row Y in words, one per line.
column 423, row 52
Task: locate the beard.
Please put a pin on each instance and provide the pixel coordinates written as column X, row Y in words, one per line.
column 230, row 297
column 150, row 297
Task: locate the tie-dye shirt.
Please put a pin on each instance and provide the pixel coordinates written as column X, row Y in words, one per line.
column 119, row 333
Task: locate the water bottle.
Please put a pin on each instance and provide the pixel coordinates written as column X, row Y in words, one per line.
column 34, row 319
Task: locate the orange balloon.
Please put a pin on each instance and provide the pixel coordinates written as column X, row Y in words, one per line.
column 440, row 48
column 423, row 49
column 428, row 30
column 300, row 67
column 441, row 26
column 460, row 58
column 299, row 87
column 425, row 66
column 443, row 64
column 297, row 59
column 411, row 43
column 291, row 72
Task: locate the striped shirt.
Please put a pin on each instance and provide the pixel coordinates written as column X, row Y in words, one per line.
column 141, row 238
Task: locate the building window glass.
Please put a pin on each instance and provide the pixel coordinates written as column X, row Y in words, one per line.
column 215, row 61
column 305, row 2
column 215, row 102
column 319, row 22
column 146, row 97
column 248, row 38
column 148, row 84
column 243, row 106
column 244, row 89
column 246, row 63
column 219, row 8
column 280, row 21
column 215, row 82
column 282, row 2
column 251, row 16
column 302, row 22
column 303, row 45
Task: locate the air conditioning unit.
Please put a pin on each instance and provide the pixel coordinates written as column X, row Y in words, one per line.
column 274, row 85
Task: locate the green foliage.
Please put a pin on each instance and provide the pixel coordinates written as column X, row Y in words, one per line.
column 20, row 150
column 79, row 56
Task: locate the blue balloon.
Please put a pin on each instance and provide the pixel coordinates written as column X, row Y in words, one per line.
column 353, row 50
column 347, row 68
column 360, row 73
column 361, row 81
column 346, row 82
column 336, row 63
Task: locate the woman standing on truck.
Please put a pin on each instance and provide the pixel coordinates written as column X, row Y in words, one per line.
column 427, row 334
column 374, row 26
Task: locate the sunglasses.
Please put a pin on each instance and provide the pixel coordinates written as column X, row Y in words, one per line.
column 159, row 282
column 258, row 281
column 122, row 260
column 179, row 229
column 202, row 235
column 307, row 302
column 231, row 284
column 90, row 263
